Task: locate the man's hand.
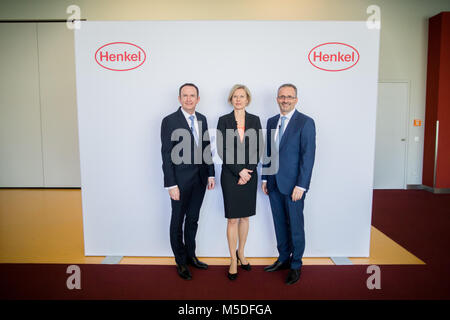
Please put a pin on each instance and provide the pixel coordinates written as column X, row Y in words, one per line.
column 264, row 188
column 211, row 183
column 297, row 194
column 174, row 193
column 245, row 174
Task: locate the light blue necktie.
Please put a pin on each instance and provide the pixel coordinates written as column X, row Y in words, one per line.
column 281, row 130
column 193, row 129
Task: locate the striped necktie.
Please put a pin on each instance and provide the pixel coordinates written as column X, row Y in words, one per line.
column 281, row 130
column 194, row 133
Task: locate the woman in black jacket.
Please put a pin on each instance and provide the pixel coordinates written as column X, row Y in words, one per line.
column 238, row 145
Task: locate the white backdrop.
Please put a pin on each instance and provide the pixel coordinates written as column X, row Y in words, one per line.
column 126, row 210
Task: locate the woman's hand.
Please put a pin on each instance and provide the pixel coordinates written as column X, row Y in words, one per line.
column 245, row 175
column 241, row 182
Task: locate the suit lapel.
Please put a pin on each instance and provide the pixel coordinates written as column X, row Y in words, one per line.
column 184, row 124
column 200, row 124
column 232, row 121
column 182, row 121
column 289, row 129
column 248, row 123
column 273, row 126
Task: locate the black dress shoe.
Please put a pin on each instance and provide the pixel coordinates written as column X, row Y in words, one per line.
column 246, row 267
column 277, row 265
column 293, row 276
column 184, row 272
column 197, row 263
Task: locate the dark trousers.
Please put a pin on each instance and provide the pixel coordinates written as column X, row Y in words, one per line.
column 289, row 227
column 186, row 210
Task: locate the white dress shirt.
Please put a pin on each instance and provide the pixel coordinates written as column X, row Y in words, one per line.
column 286, row 122
column 187, row 115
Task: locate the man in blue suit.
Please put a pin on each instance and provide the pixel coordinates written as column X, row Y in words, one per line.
column 292, row 136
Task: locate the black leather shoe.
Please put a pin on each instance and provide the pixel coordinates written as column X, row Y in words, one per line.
column 184, row 272
column 277, row 265
column 246, row 267
column 293, row 276
column 197, row 263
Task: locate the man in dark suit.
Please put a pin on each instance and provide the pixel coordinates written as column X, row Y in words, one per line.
column 291, row 145
column 187, row 173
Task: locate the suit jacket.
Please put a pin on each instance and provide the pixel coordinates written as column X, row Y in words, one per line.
column 250, row 147
column 193, row 163
column 296, row 153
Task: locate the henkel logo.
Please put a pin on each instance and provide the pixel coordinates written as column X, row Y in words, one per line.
column 333, row 56
column 120, row 56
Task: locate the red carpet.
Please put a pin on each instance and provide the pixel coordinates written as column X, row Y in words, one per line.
column 161, row 282
column 417, row 220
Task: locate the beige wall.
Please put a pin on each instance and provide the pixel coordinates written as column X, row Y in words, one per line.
column 38, row 111
column 403, row 32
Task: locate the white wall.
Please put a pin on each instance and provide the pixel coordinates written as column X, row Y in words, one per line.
column 126, row 210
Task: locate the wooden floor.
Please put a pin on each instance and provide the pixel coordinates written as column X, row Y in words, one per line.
column 46, row 226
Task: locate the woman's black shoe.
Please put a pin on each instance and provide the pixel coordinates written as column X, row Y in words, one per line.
column 232, row 276
column 246, row 267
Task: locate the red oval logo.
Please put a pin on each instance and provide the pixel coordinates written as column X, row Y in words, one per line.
column 333, row 56
column 120, row 56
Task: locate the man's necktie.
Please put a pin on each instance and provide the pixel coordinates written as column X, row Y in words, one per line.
column 281, row 130
column 194, row 133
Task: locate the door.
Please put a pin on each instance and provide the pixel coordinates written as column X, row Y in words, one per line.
column 391, row 135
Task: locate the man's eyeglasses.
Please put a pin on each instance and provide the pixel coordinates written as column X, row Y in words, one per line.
column 286, row 97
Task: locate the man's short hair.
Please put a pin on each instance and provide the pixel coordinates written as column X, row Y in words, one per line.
column 290, row 85
column 188, row 84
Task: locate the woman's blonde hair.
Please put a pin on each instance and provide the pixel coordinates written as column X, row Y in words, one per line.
column 240, row 86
